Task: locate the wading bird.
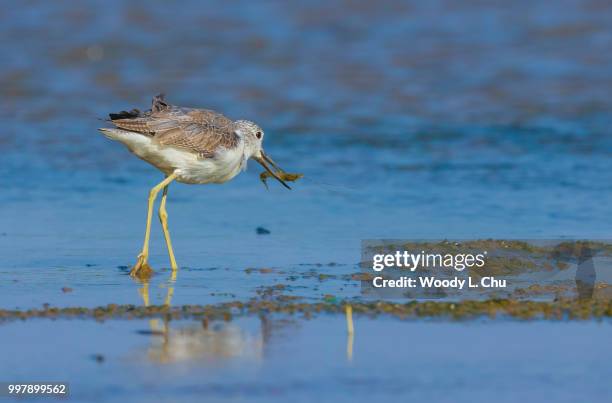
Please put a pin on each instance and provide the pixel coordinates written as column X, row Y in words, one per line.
column 194, row 146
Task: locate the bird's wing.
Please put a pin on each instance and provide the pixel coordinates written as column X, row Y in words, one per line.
column 200, row 131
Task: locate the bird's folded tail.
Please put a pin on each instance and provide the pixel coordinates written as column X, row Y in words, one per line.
column 113, row 134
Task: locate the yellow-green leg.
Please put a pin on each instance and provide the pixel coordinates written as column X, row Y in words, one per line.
column 163, row 218
column 142, row 263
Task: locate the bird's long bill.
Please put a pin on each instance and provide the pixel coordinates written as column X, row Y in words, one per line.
column 263, row 159
column 271, row 162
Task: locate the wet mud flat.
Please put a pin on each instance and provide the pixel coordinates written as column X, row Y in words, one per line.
column 532, row 272
column 504, row 308
column 265, row 334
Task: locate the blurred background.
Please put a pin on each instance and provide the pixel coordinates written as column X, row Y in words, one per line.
column 437, row 119
column 433, row 119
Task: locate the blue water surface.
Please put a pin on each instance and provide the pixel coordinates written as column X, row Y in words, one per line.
column 409, row 120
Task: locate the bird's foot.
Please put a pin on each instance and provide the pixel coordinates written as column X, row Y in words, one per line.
column 141, row 269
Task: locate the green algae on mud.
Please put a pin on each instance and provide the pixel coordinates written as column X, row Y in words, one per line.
column 564, row 309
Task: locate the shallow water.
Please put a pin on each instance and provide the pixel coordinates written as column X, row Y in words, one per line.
column 393, row 144
column 275, row 358
column 410, row 121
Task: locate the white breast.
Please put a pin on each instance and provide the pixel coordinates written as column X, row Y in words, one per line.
column 226, row 164
column 223, row 167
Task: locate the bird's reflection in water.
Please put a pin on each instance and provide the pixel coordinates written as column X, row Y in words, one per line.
column 204, row 343
column 218, row 340
column 350, row 332
column 144, row 290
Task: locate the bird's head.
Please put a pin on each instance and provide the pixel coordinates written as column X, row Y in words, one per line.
column 253, row 136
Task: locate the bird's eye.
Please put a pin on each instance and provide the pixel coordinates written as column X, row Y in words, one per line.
column 258, row 135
